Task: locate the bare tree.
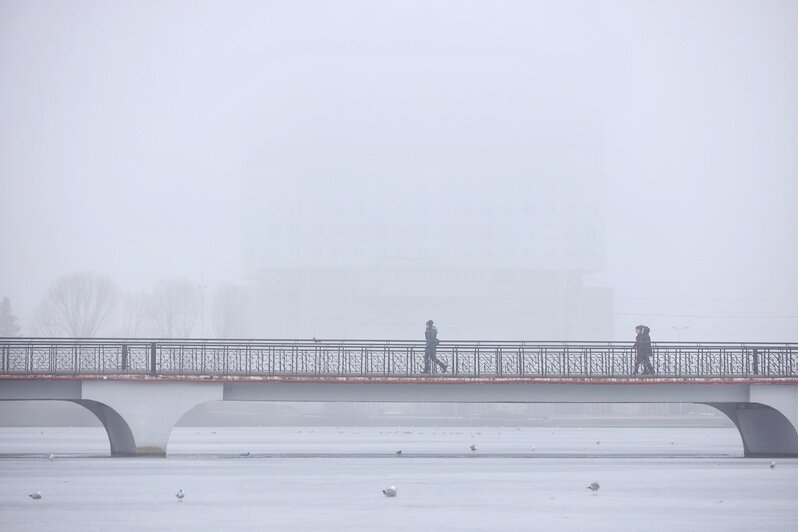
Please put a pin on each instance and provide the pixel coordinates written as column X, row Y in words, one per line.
column 175, row 308
column 227, row 311
column 78, row 304
column 136, row 315
column 8, row 322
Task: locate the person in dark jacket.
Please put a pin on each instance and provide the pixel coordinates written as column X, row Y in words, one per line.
column 643, row 350
column 431, row 335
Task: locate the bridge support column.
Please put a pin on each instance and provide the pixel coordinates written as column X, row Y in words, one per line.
column 139, row 416
column 768, row 424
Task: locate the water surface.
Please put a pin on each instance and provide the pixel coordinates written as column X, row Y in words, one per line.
column 327, row 478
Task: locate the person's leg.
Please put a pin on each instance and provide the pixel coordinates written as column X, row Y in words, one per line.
column 637, row 365
column 427, row 355
column 648, row 366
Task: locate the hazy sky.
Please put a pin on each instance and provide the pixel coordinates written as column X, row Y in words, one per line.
column 133, row 136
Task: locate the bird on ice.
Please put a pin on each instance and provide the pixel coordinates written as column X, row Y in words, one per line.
column 594, row 487
column 772, row 465
column 180, row 496
column 36, row 496
column 389, row 492
column 51, row 457
column 473, row 448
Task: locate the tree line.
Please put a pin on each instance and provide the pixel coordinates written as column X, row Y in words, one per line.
column 86, row 304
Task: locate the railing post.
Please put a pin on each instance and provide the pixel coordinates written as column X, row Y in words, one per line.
column 499, row 361
column 756, row 361
column 125, row 362
column 153, row 359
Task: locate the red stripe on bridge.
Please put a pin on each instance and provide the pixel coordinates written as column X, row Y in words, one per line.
column 406, row 380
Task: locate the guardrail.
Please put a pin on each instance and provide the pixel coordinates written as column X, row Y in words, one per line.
column 386, row 358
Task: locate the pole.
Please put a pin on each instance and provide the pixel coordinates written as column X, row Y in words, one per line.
column 153, row 359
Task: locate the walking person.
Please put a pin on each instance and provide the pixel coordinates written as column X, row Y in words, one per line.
column 431, row 335
column 643, row 350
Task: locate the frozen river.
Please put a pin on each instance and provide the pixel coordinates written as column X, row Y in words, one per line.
column 327, row 478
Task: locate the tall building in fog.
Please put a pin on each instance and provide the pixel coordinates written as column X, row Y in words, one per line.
column 364, row 240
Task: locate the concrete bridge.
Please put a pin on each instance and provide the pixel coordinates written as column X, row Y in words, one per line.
column 139, row 389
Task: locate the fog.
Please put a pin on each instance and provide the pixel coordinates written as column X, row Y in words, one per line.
column 519, row 170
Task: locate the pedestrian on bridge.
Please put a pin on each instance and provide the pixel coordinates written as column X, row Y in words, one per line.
column 643, row 350
column 431, row 335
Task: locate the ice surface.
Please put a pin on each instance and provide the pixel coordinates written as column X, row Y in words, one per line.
column 413, row 441
column 701, row 485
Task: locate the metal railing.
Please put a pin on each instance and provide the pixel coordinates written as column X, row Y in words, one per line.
column 387, row 358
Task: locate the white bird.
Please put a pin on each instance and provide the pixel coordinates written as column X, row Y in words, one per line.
column 772, row 465
column 180, row 496
column 389, row 492
column 51, row 457
column 594, row 487
column 473, row 448
column 36, row 496
column 533, row 448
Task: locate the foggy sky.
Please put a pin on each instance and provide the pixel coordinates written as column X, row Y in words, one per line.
column 135, row 138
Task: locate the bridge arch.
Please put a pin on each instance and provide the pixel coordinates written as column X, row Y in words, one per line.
column 120, row 436
column 765, row 431
column 150, row 410
column 123, row 439
column 138, row 415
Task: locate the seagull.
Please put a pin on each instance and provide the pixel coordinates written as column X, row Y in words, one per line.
column 51, row 457
column 533, row 448
column 473, row 448
column 246, row 454
column 772, row 465
column 399, row 452
column 316, row 340
column 180, row 496
column 389, row 492
column 598, row 442
column 594, row 487
column 36, row 496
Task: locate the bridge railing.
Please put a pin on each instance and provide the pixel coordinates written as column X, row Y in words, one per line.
column 466, row 359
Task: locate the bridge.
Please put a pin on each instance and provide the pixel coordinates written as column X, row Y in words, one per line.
column 140, row 388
